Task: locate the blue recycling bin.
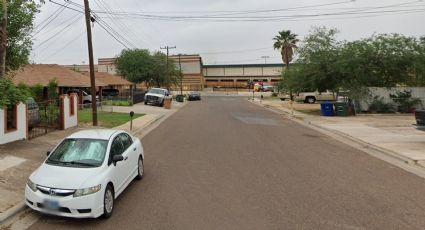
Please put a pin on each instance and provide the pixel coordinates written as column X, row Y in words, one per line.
column 327, row 109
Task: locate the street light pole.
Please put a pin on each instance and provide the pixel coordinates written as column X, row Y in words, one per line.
column 91, row 64
column 181, row 74
column 265, row 58
column 168, row 54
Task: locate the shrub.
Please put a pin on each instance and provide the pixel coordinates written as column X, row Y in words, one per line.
column 10, row 94
column 380, row 106
column 404, row 101
column 274, row 94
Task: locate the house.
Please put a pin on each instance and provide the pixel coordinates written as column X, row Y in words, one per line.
column 111, row 81
column 42, row 74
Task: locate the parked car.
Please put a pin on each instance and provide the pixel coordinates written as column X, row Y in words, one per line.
column 85, row 173
column 86, row 96
column 156, row 96
column 192, row 96
column 267, row 88
column 312, row 97
column 110, row 92
column 33, row 113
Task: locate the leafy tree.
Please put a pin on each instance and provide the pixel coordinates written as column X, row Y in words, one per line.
column 385, row 60
column 318, row 57
column 135, row 65
column 286, row 42
column 141, row 66
column 21, row 15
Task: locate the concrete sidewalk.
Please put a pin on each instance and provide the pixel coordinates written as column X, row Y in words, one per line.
column 394, row 134
column 19, row 159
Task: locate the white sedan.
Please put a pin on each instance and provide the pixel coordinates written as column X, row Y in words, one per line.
column 85, row 173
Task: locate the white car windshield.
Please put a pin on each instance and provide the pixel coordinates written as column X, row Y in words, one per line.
column 157, row 91
column 79, row 153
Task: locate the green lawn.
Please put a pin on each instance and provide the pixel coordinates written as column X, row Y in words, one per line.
column 105, row 119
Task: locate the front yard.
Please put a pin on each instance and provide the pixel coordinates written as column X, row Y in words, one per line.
column 105, row 119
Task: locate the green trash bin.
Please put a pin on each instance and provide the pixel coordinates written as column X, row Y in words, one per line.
column 341, row 109
column 180, row 98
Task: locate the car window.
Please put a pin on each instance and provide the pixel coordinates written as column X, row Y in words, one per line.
column 157, row 91
column 79, row 153
column 117, row 147
column 126, row 140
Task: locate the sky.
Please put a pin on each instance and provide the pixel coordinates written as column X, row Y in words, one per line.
column 221, row 31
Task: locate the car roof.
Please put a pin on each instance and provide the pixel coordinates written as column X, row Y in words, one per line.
column 99, row 134
column 159, row 88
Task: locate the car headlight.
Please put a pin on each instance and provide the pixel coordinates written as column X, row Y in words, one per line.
column 32, row 186
column 87, row 191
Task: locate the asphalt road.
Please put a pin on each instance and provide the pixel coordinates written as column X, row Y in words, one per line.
column 224, row 163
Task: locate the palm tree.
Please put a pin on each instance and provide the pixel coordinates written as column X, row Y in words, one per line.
column 286, row 42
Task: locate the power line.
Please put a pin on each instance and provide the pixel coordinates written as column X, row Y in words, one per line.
column 60, row 32
column 124, row 30
column 50, row 20
column 115, row 35
column 386, row 9
column 74, row 39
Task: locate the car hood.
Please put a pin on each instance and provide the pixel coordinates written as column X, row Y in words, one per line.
column 63, row 177
column 154, row 94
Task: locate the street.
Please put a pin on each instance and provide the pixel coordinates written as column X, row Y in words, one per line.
column 225, row 163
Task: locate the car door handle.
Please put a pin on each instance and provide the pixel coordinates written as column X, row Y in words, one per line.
column 134, row 149
column 125, row 158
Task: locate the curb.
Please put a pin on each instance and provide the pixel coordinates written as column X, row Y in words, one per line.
column 388, row 156
column 12, row 212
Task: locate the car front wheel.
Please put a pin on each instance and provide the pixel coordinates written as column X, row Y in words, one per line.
column 140, row 169
column 108, row 202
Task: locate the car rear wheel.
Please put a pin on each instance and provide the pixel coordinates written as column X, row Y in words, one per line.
column 140, row 169
column 310, row 100
column 108, row 202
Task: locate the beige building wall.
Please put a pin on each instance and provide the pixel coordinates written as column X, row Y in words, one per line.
column 190, row 67
column 237, row 71
column 253, row 71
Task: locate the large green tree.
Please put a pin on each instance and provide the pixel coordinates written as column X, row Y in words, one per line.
column 286, row 42
column 142, row 66
column 21, row 15
column 384, row 60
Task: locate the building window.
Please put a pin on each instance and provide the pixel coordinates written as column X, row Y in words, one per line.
column 71, row 105
column 10, row 118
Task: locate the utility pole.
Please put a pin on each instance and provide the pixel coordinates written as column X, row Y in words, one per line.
column 168, row 54
column 181, row 74
column 92, row 76
column 3, row 40
column 265, row 58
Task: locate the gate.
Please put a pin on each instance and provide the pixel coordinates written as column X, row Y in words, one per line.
column 43, row 117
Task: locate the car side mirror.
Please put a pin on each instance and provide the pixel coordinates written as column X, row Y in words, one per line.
column 48, row 153
column 117, row 158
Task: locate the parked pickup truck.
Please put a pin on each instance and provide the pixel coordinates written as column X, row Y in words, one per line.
column 312, row 97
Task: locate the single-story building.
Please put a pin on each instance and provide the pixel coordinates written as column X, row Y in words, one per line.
column 112, row 81
column 42, row 74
